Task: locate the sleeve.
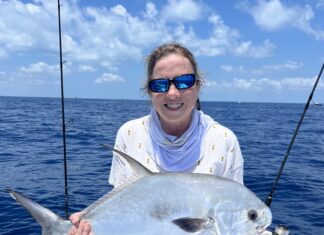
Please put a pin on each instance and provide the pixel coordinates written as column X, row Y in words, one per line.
column 118, row 166
column 238, row 164
column 235, row 168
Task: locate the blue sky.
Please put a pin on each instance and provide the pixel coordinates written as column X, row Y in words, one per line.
column 256, row 51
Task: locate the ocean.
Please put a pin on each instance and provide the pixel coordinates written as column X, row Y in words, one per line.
column 31, row 155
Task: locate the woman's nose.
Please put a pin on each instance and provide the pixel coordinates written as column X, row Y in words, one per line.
column 173, row 91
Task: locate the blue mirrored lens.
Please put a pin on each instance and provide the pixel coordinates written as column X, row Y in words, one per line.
column 162, row 85
column 184, row 81
column 159, row 85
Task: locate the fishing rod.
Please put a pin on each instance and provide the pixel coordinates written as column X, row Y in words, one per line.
column 63, row 115
column 269, row 198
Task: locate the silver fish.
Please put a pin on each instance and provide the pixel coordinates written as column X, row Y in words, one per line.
column 165, row 204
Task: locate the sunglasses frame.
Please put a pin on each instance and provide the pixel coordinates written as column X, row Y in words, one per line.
column 174, row 81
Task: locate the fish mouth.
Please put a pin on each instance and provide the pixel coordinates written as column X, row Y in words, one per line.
column 262, row 228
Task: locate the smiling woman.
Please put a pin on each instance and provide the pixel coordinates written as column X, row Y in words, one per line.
column 174, row 106
column 175, row 136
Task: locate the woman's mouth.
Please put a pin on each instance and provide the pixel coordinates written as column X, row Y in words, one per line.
column 173, row 105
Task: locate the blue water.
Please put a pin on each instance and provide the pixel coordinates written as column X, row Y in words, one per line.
column 31, row 155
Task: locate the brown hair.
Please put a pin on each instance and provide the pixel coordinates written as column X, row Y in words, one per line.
column 167, row 49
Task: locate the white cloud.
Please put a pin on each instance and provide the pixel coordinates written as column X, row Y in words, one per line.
column 231, row 69
column 86, row 68
column 223, row 40
column 3, row 78
column 258, row 84
column 120, row 10
column 289, row 65
column 34, row 76
column 219, row 84
column 266, row 69
column 26, row 26
column 41, row 68
column 42, row 72
column 22, row 80
column 114, row 35
column 320, row 4
column 3, row 53
column 299, row 83
column 182, row 10
column 227, row 68
column 107, row 37
column 151, row 11
column 248, row 50
column 109, row 77
column 273, row 15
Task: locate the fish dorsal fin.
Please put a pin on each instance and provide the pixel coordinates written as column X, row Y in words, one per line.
column 194, row 224
column 137, row 170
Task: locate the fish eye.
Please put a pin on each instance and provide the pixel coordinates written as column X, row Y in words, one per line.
column 253, row 215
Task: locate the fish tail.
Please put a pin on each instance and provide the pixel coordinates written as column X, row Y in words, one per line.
column 49, row 221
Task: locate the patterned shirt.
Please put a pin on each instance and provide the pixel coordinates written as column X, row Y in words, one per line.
column 220, row 151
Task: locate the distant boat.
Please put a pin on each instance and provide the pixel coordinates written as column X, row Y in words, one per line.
column 316, row 103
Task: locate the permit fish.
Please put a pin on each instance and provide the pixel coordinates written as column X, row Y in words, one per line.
column 165, row 204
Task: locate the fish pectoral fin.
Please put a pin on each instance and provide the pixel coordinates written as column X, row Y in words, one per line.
column 193, row 224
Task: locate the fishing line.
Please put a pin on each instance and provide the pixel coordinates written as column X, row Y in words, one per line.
column 269, row 198
column 63, row 115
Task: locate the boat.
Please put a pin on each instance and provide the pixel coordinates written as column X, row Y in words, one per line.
column 316, row 103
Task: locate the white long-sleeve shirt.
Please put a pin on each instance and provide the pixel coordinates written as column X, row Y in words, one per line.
column 220, row 151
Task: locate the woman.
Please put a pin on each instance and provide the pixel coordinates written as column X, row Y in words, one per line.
column 175, row 137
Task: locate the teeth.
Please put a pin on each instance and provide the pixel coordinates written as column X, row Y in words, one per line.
column 173, row 106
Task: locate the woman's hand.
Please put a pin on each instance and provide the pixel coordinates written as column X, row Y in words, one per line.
column 82, row 227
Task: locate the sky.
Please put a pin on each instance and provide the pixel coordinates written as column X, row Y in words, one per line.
column 248, row 51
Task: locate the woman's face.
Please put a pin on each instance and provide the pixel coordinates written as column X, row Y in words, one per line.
column 174, row 106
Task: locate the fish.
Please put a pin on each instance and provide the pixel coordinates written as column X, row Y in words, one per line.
column 164, row 204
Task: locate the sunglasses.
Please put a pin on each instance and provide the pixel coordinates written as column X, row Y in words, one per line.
column 181, row 82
